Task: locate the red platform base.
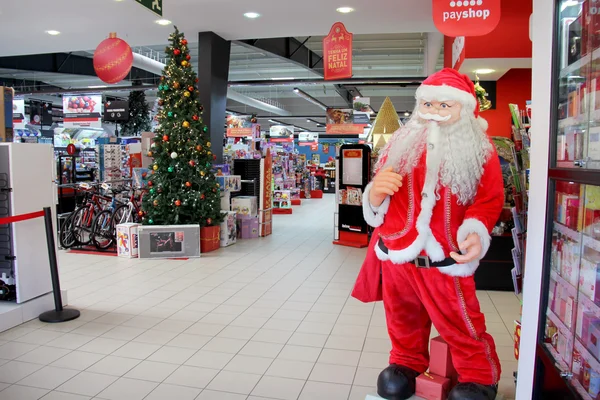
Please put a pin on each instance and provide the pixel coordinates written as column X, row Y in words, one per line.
column 352, row 239
column 91, row 250
column 282, row 211
column 296, row 202
column 316, row 194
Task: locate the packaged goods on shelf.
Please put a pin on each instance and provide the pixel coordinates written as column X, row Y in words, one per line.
column 230, row 183
column 247, row 228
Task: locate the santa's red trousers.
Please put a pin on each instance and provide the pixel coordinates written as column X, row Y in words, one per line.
column 416, row 297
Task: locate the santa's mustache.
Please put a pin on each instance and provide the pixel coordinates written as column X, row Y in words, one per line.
column 434, row 117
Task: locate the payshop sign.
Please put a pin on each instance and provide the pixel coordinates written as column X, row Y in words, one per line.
column 466, row 17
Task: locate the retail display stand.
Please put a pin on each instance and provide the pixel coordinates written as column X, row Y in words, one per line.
column 353, row 171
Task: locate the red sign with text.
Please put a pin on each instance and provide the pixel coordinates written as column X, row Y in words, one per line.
column 337, row 53
column 466, row 18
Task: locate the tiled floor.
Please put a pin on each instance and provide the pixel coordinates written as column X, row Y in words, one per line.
column 264, row 319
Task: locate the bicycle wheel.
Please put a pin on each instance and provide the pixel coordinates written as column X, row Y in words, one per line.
column 103, row 228
column 121, row 215
column 67, row 238
column 83, row 219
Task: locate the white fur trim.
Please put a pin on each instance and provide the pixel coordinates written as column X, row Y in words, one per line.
column 374, row 215
column 444, row 93
column 425, row 239
column 483, row 123
column 470, row 225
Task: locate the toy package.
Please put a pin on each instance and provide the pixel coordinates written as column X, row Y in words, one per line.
column 350, row 196
column 127, row 240
column 245, row 206
column 228, row 229
column 229, row 183
column 222, row 169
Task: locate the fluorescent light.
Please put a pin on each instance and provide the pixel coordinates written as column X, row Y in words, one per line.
column 345, row 10
column 97, row 86
column 53, row 32
column 283, row 79
column 252, row 15
column 407, row 114
column 271, row 121
column 484, row 71
column 163, row 22
column 309, row 98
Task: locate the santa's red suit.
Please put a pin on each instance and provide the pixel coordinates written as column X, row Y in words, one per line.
column 423, row 223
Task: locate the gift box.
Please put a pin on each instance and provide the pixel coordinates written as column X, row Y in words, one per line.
column 592, row 223
column 593, row 344
column 225, row 201
column 127, row 240
column 441, row 361
column 432, row 387
column 230, row 183
column 210, row 238
column 228, row 229
column 588, row 278
column 169, row 241
column 245, row 206
column 222, row 169
column 247, row 228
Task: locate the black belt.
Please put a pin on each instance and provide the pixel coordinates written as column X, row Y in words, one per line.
column 421, row 261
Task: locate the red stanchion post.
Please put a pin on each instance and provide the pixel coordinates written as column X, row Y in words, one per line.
column 59, row 314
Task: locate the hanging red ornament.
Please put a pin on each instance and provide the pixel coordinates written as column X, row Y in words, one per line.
column 198, row 148
column 195, row 118
column 202, row 197
column 176, row 52
column 197, row 80
column 113, row 59
column 192, row 163
column 191, row 88
column 184, row 42
column 177, row 203
column 141, row 213
column 188, row 57
column 176, row 85
column 188, row 184
column 166, row 138
column 150, row 183
column 209, row 221
column 214, row 157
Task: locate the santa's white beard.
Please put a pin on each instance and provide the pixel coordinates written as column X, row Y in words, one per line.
column 465, row 150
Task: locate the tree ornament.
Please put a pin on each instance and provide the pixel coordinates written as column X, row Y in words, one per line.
column 161, row 102
column 209, row 221
column 166, row 138
column 202, row 173
column 144, row 175
column 170, row 114
column 173, row 155
column 141, row 213
column 188, row 184
column 192, row 163
column 153, row 145
column 191, row 88
column 198, row 148
column 186, row 93
column 170, row 169
column 185, row 124
column 176, row 52
column 201, row 108
column 159, row 190
column 208, row 153
column 184, row 42
column 214, row 190
column 188, row 57
column 195, row 117
column 150, row 183
column 176, row 85
column 197, row 80
column 155, row 202
column 155, row 167
column 208, row 144
column 214, row 157
column 202, row 196
column 184, row 63
column 150, row 221
column 177, row 203
column 152, row 191
column 150, row 154
column 113, row 59
column 205, row 129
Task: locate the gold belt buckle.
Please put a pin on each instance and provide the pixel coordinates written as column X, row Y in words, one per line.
column 422, row 262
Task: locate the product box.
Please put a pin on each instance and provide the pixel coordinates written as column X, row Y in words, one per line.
column 229, row 229
column 229, row 183
column 593, row 344
column 440, row 362
column 225, row 201
column 221, row 169
column 127, row 240
column 589, row 278
column 432, row 387
column 569, row 267
column 247, row 228
column 245, row 206
column 282, row 199
column 169, row 241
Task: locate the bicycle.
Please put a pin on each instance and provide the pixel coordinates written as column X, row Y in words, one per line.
column 84, row 216
column 104, row 224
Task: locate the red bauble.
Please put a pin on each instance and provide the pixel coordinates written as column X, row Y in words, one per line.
column 176, row 52
column 184, row 42
column 195, row 118
column 188, row 184
column 113, row 59
column 198, row 148
column 192, row 163
column 141, row 213
column 188, row 57
column 161, row 102
column 150, row 183
column 144, row 175
column 149, row 154
column 177, row 203
column 190, row 88
column 197, row 80
column 166, row 138
column 202, row 197
column 214, row 157
column 209, row 221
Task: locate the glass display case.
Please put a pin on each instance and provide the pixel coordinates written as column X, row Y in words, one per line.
column 569, row 331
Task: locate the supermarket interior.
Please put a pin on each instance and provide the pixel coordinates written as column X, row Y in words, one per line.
column 227, row 200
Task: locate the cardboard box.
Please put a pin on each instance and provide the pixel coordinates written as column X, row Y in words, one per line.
column 127, row 240
column 230, row 183
column 432, row 387
column 221, row 169
column 594, row 339
column 245, row 206
column 169, row 241
column 229, row 229
column 440, row 362
column 588, row 278
column 225, row 201
column 247, row 227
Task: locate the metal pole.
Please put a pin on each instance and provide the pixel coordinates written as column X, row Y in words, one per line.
column 59, row 314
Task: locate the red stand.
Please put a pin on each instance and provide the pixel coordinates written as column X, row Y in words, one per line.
column 296, row 202
column 282, row 211
column 353, row 239
column 210, row 238
column 302, row 196
column 316, row 194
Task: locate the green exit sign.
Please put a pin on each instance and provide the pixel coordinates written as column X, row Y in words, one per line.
column 153, row 5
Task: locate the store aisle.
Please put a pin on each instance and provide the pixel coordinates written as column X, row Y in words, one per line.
column 264, row 319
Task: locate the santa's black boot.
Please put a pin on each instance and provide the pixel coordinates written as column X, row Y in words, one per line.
column 473, row 391
column 397, row 382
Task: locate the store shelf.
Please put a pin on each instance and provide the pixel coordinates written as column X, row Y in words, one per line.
column 572, row 290
column 587, row 356
column 582, row 392
column 589, row 305
column 572, row 121
column 577, row 65
column 557, row 357
column 570, row 233
column 559, row 324
column 591, row 243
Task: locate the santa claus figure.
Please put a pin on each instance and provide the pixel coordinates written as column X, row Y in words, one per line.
column 437, row 194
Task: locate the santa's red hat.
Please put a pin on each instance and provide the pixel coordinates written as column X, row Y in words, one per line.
column 449, row 84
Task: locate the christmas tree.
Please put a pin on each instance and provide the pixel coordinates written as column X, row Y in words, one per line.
column 182, row 188
column 139, row 114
